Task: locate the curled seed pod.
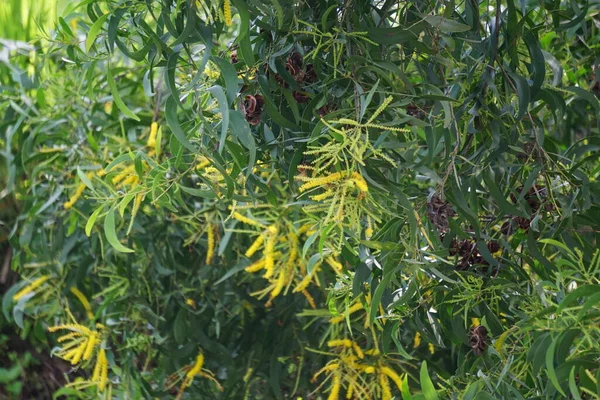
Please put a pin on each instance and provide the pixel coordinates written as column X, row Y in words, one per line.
column 252, row 108
column 478, row 339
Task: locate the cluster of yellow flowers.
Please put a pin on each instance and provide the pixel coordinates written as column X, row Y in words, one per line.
column 79, row 345
column 363, row 373
column 279, row 242
column 193, row 371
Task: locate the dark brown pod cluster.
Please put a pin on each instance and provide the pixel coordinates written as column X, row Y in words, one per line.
column 478, row 340
column 326, row 109
column 469, row 253
column 252, row 108
column 535, row 198
column 438, row 212
column 300, row 97
column 415, row 111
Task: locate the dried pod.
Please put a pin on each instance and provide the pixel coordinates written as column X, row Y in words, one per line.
column 438, row 212
column 252, row 108
column 478, row 340
column 300, row 97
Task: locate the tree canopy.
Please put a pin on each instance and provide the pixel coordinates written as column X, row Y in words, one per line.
column 317, row 199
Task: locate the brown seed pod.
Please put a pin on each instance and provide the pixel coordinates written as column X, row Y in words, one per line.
column 438, row 212
column 478, row 339
column 252, row 108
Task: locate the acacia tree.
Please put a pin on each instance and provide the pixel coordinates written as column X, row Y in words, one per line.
column 322, row 198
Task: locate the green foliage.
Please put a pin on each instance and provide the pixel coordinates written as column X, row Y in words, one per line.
column 308, row 198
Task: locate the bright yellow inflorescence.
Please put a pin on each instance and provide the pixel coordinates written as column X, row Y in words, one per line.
column 196, row 370
column 79, row 345
column 32, row 287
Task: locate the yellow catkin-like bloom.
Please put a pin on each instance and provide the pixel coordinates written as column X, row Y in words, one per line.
column 325, row 195
column 358, row 350
column 335, row 387
column 78, row 192
column 227, row 12
column 78, row 354
column 278, row 285
column 83, row 300
column 372, row 352
column 369, row 230
column 369, row 370
column 255, row 267
column 269, row 251
column 210, row 245
column 350, row 391
column 195, row 370
column 100, row 374
column 310, row 299
column 204, row 162
column 31, row 287
column 335, row 265
column 390, row 373
column 255, row 246
column 131, row 180
column 152, row 136
column 314, row 182
column 123, row 174
column 351, row 310
column 360, row 182
column 246, row 220
column 386, row 391
column 475, row 322
column 431, row 348
column 417, row 340
column 340, row 343
column 90, row 345
column 71, row 327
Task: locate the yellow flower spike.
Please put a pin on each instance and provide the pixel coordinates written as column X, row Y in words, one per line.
column 327, row 368
column 31, row 287
column 380, row 109
column 369, row 370
column 335, row 387
column 279, row 285
column 390, row 373
column 78, row 354
column 83, row 300
column 210, row 245
column 255, row 267
column 360, row 182
column 369, row 230
column 350, row 391
column 340, row 343
column 358, row 350
column 204, row 162
column 335, row 265
column 269, row 251
column 131, row 180
column 246, row 220
column 100, row 374
column 197, row 366
column 314, row 182
column 386, row 391
column 72, row 327
column 227, row 12
column 431, row 348
column 319, row 197
column 310, row 299
column 152, row 136
column 351, row 310
column 372, row 352
column 475, row 322
column 68, row 336
column 89, row 349
column 417, row 340
column 255, row 246
column 123, row 174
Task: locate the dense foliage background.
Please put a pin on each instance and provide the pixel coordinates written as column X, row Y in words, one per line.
column 326, row 199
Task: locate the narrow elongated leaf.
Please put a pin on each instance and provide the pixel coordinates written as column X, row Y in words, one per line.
column 94, row 31
column 117, row 97
column 426, row 383
column 111, row 234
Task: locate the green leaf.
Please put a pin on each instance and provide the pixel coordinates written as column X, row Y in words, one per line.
column 173, row 122
column 93, row 32
column 92, row 220
column 550, row 367
column 573, row 385
column 111, row 235
column 522, row 89
column 405, row 389
column 446, row 25
column 217, row 92
column 117, row 98
column 426, row 384
column 582, row 291
column 383, row 285
column 586, row 95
